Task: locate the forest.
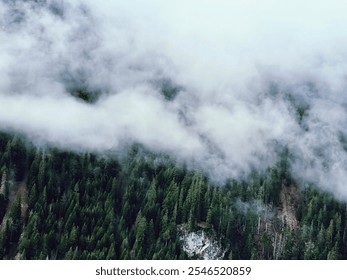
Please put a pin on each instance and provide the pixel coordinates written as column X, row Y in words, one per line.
column 58, row 204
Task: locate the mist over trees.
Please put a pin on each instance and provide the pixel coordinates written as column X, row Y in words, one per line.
column 233, row 90
column 126, row 126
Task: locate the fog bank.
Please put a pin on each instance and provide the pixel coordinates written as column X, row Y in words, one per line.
column 249, row 79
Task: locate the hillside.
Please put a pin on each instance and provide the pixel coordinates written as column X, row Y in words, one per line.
column 177, row 129
column 144, row 206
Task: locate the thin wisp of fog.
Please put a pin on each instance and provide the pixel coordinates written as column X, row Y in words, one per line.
column 250, row 78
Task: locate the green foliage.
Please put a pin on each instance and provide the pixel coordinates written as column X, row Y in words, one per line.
column 169, row 91
column 82, row 206
column 85, row 94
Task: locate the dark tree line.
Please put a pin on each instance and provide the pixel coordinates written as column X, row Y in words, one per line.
column 83, row 206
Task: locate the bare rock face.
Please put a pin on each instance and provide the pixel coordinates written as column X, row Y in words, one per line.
column 199, row 244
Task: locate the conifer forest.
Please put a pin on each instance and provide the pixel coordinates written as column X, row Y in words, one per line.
column 173, row 130
column 65, row 205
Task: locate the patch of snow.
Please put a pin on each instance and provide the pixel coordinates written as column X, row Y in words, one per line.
column 202, row 246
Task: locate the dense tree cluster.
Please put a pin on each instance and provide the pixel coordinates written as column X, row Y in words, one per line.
column 83, row 206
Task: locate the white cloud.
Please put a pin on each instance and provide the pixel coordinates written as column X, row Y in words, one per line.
column 236, row 63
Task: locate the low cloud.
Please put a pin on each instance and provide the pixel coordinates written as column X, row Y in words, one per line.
column 249, row 78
